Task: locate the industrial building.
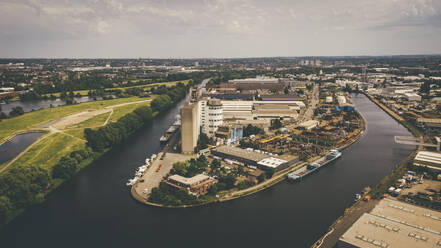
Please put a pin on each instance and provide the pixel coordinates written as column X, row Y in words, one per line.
column 309, row 124
column 412, row 97
column 341, row 100
column 394, row 224
column 203, row 115
column 428, row 159
column 230, row 133
column 198, row 184
column 189, row 126
column 429, row 122
column 282, row 98
column 244, row 156
column 249, row 157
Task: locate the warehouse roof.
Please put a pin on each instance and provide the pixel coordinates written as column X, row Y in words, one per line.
column 271, row 162
column 429, row 120
column 189, row 180
column 241, row 153
column 396, row 224
column 431, row 157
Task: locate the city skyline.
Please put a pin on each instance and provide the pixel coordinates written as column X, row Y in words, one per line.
column 218, row 29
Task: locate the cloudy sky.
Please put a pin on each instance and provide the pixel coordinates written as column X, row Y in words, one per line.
column 218, row 28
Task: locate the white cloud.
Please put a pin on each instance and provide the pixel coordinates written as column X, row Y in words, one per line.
column 205, row 25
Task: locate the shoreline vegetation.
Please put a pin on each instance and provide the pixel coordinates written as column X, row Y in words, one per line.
column 269, row 182
column 24, row 185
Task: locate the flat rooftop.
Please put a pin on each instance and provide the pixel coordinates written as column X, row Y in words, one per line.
column 431, row 157
column 395, row 224
column 271, row 162
column 241, row 153
column 189, row 180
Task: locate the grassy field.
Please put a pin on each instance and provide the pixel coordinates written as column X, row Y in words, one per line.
column 85, row 92
column 47, row 152
column 34, row 119
column 123, row 110
column 96, row 121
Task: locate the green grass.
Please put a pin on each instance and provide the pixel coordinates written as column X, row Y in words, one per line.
column 96, row 121
column 123, row 110
column 85, row 92
column 47, row 152
column 33, row 119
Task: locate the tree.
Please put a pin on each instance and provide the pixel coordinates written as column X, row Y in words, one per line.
column 425, row 88
column 16, row 111
column 229, row 181
column 23, row 184
column 215, row 164
column 5, row 208
column 250, row 130
column 3, row 115
column 203, row 142
column 213, row 190
column 269, row 172
column 161, row 103
column 276, row 124
column 261, row 177
column 65, row 168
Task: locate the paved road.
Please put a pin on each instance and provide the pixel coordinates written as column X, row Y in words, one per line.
column 309, row 113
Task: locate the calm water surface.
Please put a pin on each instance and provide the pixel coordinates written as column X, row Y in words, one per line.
column 15, row 145
column 40, row 104
column 94, row 209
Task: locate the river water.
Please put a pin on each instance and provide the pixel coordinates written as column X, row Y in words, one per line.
column 15, row 145
column 28, row 106
column 95, row 209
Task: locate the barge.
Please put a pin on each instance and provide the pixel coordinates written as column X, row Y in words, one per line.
column 314, row 166
column 170, row 131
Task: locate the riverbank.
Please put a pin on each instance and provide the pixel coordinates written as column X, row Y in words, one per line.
column 100, row 140
column 352, row 213
column 414, row 130
column 277, row 177
column 99, row 193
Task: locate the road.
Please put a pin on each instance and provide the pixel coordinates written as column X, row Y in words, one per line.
column 309, row 113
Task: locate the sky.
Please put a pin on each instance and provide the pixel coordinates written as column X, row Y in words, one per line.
column 217, row 28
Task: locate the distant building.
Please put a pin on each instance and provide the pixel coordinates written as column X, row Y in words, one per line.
column 412, row 97
column 341, row 100
column 282, row 98
column 310, row 124
column 329, row 99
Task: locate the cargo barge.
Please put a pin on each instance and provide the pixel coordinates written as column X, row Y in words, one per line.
column 314, row 166
column 171, row 130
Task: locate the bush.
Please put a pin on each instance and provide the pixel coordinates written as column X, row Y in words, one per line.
column 22, row 185
column 65, row 168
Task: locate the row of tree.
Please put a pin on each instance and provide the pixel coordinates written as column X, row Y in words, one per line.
column 115, row 132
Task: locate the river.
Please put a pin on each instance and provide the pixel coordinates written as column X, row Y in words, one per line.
column 95, row 209
column 11, row 148
column 29, row 106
